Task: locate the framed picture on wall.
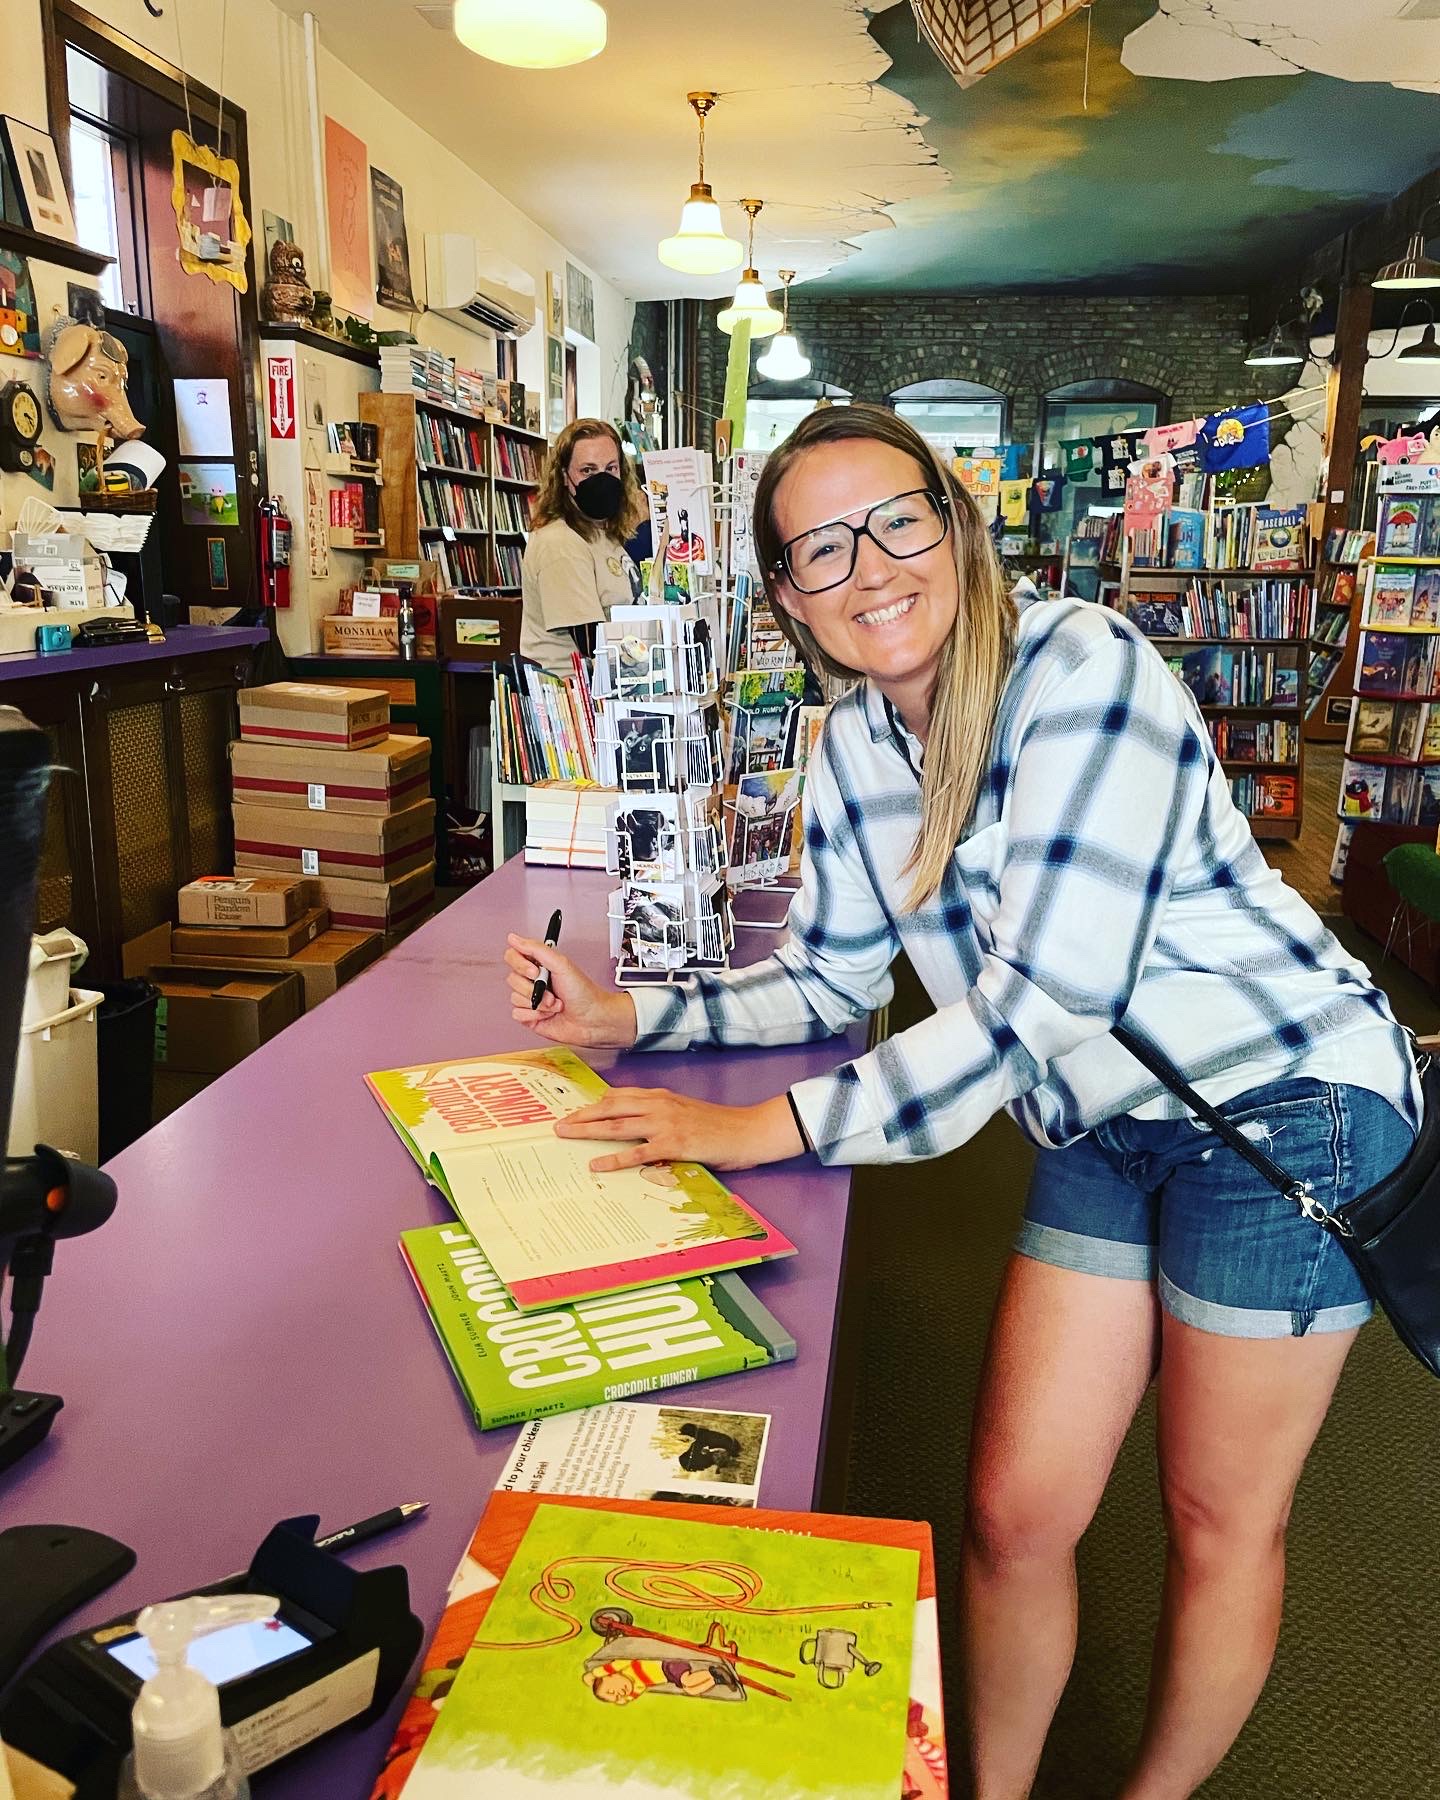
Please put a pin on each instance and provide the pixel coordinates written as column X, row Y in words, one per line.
column 555, row 384
column 554, row 305
column 41, row 186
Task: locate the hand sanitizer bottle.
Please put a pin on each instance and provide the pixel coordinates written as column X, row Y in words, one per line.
column 182, row 1751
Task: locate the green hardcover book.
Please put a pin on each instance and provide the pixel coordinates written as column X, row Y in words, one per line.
column 514, row 1366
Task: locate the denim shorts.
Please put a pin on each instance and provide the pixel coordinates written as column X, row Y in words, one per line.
column 1167, row 1201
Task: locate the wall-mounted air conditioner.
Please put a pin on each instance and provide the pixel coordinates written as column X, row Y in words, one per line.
column 477, row 288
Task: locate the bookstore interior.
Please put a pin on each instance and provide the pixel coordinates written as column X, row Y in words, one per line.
column 535, row 531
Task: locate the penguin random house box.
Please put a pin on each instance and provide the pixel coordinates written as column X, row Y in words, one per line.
column 308, row 712
column 246, row 900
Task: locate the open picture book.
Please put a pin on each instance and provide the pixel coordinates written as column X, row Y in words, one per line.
column 483, row 1131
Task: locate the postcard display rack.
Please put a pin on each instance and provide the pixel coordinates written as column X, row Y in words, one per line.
column 658, row 743
column 1391, row 772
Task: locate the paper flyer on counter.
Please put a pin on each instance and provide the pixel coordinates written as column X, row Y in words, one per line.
column 625, row 1452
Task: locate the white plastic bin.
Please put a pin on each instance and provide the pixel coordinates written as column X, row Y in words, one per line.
column 57, row 1081
column 54, row 960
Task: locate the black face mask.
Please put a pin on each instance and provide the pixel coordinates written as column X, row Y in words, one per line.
column 599, row 496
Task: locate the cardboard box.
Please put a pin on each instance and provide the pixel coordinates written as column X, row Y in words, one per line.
column 391, row 774
column 141, row 954
column 333, row 959
column 308, row 712
column 246, row 900
column 341, row 635
column 210, row 1019
column 393, row 907
column 268, row 942
column 366, row 847
column 479, row 627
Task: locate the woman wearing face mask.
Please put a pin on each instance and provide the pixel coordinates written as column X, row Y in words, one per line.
column 576, row 567
column 1025, row 799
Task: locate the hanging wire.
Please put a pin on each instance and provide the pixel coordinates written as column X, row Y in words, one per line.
column 220, row 120
column 184, row 82
column 1085, row 82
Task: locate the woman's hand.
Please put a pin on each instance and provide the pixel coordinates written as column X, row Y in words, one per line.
column 674, row 1128
column 576, row 1010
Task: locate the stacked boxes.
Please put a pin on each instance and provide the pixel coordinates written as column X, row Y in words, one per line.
column 323, row 790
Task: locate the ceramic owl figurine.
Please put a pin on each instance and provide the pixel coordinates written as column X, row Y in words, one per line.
column 288, row 299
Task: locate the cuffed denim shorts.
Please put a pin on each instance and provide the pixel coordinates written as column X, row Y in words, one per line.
column 1166, row 1201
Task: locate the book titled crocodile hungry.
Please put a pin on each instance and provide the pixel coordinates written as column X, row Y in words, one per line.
column 514, row 1366
column 483, row 1130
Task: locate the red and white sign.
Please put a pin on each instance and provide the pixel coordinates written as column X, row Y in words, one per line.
column 280, row 380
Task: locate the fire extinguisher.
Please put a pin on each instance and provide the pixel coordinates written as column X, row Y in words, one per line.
column 274, row 552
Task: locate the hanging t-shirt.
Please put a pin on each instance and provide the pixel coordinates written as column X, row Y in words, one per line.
column 1236, row 439
column 1078, row 456
column 1114, row 476
column 1119, row 451
column 1161, row 439
column 1014, row 496
column 1047, row 495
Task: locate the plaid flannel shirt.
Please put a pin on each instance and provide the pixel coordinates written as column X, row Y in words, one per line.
column 1106, row 872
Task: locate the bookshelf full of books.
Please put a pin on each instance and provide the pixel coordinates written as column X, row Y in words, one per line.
column 1341, row 582
column 1391, row 773
column 460, row 487
column 1237, row 638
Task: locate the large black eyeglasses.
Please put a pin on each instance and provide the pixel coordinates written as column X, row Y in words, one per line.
column 823, row 558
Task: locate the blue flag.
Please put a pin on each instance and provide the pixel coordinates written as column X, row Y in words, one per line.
column 1237, row 439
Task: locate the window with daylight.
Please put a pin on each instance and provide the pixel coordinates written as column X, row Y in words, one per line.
column 953, row 415
column 775, row 408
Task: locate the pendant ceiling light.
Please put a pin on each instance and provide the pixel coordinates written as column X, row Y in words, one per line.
column 700, row 247
column 784, row 360
column 751, row 302
column 532, row 34
column 1414, row 269
column 1425, row 349
column 1274, row 351
column 971, row 36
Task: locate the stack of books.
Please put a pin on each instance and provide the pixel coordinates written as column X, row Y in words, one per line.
column 565, row 824
column 414, row 369
column 544, row 726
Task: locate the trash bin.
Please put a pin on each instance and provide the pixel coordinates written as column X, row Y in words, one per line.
column 127, row 1064
column 55, row 1081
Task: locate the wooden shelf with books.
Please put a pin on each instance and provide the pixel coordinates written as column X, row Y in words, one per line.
column 452, row 478
column 1391, row 773
column 1241, row 650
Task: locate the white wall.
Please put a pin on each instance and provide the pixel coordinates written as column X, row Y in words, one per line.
column 264, row 72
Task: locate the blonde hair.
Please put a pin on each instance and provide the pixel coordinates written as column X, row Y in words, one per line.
column 555, row 501
column 975, row 659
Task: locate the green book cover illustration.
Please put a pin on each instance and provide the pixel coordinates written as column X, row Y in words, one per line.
column 513, row 1366
column 483, row 1130
column 656, row 1659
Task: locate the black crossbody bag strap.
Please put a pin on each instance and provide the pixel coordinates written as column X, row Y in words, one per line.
column 1165, row 1071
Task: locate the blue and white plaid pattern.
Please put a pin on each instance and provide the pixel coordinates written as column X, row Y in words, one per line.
column 1106, row 872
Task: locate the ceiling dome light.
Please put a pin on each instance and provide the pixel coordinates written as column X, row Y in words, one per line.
column 700, row 247
column 784, row 360
column 1274, row 351
column 532, row 34
column 751, row 302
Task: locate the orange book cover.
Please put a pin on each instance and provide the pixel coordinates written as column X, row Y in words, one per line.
column 498, row 1536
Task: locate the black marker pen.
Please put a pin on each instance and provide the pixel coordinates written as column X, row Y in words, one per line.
column 542, row 985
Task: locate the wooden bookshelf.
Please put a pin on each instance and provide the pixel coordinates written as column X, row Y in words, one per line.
column 1328, row 712
column 412, row 478
column 1137, row 580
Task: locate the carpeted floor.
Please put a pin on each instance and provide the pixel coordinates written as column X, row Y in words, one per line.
column 1353, row 1706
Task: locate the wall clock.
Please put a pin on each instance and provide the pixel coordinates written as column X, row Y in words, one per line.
column 20, row 424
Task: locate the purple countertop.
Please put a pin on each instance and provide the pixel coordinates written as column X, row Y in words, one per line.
column 180, row 640
column 241, row 1343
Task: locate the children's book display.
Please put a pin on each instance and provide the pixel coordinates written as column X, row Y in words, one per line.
column 1391, row 773
column 552, row 1230
column 513, row 1366
column 595, row 1647
column 1235, row 628
column 656, row 688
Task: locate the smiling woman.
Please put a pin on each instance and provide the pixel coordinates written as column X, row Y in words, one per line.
column 1021, row 796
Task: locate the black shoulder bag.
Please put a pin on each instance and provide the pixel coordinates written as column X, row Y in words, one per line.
column 1391, row 1232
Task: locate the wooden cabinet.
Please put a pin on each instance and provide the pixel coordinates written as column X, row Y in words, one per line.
column 139, row 802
